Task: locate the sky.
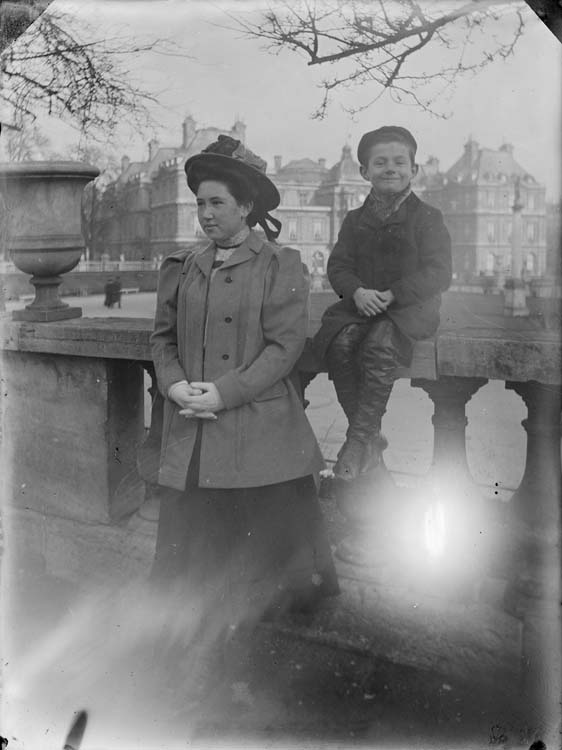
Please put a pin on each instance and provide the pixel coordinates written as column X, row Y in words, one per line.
column 226, row 75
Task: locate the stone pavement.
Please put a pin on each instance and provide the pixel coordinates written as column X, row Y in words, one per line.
column 395, row 661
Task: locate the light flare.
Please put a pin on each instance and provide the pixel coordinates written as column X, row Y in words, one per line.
column 435, row 530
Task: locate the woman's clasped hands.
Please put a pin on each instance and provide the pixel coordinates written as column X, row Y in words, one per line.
column 196, row 400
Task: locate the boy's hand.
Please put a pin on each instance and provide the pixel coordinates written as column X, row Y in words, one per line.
column 371, row 302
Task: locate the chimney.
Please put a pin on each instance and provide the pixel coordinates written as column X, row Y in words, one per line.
column 278, row 161
column 239, row 131
column 507, row 148
column 152, row 148
column 322, row 163
column 188, row 131
column 471, row 150
column 125, row 161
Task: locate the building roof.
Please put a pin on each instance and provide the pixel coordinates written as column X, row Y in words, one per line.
column 345, row 169
column 193, row 142
column 483, row 165
column 301, row 171
column 133, row 168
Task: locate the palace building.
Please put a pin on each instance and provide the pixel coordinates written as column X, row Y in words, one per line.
column 149, row 212
column 476, row 196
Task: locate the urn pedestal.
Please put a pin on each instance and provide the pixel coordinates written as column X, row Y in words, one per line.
column 43, row 237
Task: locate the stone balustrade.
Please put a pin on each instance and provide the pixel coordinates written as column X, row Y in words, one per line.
column 74, row 410
column 76, row 453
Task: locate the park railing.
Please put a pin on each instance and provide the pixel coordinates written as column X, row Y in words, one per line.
column 78, row 460
column 7, row 267
column 118, row 265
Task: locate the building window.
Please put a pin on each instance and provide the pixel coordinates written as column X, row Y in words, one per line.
column 303, row 197
column 318, row 262
column 532, row 231
column 491, row 231
column 490, row 199
column 490, row 264
column 532, row 201
column 317, row 229
column 530, row 263
column 292, row 229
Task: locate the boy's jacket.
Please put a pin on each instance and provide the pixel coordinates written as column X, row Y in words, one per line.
column 408, row 253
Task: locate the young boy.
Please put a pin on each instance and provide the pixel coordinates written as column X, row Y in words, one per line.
column 390, row 264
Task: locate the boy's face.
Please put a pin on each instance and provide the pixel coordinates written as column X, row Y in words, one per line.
column 389, row 168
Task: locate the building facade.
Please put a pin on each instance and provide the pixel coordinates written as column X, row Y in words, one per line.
column 151, row 212
column 476, row 196
column 148, row 211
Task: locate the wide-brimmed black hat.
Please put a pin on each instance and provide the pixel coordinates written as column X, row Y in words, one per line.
column 231, row 154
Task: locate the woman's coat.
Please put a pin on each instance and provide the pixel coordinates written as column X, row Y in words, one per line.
column 242, row 328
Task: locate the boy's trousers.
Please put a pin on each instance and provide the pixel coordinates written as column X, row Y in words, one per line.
column 363, row 362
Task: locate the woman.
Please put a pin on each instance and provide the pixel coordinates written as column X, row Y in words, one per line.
column 243, row 530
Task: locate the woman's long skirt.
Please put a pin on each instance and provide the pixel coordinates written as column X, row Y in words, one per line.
column 254, row 550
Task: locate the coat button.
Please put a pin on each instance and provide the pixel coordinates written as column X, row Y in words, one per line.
column 228, row 319
column 228, row 280
column 225, row 356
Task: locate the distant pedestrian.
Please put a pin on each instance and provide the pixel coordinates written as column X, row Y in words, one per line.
column 108, row 291
column 117, row 287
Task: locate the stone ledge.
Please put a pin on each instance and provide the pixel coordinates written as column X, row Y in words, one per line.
column 492, row 353
column 128, row 338
column 108, row 338
column 500, row 355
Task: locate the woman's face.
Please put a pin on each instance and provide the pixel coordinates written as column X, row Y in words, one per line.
column 220, row 216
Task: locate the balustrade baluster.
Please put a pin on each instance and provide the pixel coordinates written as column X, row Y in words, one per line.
column 534, row 590
column 148, row 454
column 536, row 503
column 450, row 396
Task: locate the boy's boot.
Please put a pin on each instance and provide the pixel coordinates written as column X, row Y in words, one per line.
column 343, row 370
column 362, row 450
column 363, row 447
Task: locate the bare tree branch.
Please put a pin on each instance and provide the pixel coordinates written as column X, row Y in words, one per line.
column 380, row 41
column 58, row 66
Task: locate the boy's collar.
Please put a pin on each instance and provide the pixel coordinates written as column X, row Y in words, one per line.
column 398, row 215
column 388, row 204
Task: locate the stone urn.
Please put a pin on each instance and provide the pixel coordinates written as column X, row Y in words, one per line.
column 42, row 228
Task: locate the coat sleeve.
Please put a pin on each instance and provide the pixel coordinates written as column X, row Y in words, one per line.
column 434, row 268
column 341, row 268
column 164, row 340
column 284, row 319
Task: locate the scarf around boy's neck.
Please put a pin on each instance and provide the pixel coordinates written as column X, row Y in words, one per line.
column 384, row 206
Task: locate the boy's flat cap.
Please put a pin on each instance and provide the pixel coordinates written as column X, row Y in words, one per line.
column 384, row 135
